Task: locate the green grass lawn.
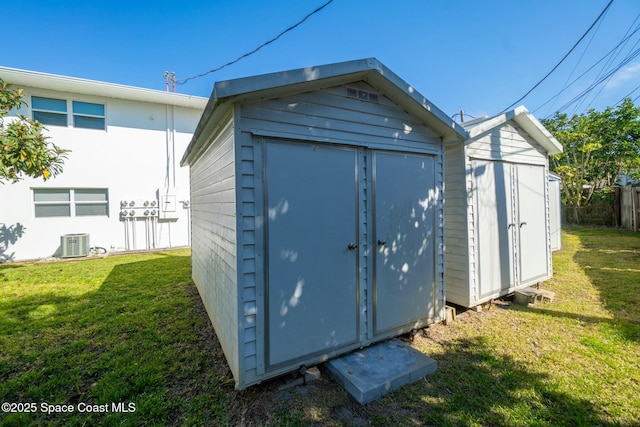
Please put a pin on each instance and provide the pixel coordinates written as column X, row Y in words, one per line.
column 131, row 329
column 573, row 362
column 123, row 329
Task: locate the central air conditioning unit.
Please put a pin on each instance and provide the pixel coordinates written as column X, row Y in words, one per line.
column 74, row 245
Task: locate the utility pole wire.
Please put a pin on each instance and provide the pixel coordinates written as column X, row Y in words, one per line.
column 630, row 57
column 567, row 86
column 181, row 82
column 563, row 58
column 604, row 69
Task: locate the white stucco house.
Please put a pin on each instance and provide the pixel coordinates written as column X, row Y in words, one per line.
column 122, row 187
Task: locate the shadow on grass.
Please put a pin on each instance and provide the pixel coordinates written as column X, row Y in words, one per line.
column 626, row 329
column 476, row 385
column 3, row 269
column 142, row 337
column 472, row 386
column 611, row 260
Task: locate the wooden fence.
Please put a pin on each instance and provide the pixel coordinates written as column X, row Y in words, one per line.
column 618, row 209
column 629, row 207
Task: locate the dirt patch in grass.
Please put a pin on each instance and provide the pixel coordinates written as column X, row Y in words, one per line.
column 325, row 403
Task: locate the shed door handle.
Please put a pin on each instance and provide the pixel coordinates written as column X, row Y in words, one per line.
column 522, row 223
column 352, row 246
column 510, row 225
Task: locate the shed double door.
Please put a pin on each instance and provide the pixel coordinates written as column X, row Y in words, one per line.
column 511, row 225
column 319, row 202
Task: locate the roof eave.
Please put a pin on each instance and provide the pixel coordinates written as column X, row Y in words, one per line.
column 34, row 79
column 274, row 85
column 536, row 130
column 407, row 96
column 526, row 121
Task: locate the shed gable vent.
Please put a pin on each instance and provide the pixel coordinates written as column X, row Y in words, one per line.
column 362, row 95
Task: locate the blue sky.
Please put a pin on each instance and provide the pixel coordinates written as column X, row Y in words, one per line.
column 476, row 56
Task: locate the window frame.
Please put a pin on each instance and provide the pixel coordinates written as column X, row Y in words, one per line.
column 84, row 115
column 51, row 203
column 72, row 202
column 72, row 117
column 50, row 112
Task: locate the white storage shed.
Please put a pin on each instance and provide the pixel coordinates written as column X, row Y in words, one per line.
column 317, row 213
column 497, row 222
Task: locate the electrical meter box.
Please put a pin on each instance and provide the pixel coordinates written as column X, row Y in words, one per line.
column 168, row 203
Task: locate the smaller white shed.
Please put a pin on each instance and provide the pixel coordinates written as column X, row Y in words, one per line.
column 497, row 222
column 317, row 214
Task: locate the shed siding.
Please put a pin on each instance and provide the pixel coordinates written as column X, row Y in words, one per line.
column 457, row 237
column 214, row 259
column 440, row 296
column 547, row 196
column 473, row 243
column 365, row 262
column 252, row 346
column 508, row 143
column 555, row 214
column 329, row 115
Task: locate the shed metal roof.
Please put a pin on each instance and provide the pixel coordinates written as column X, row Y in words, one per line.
column 523, row 118
column 274, row 85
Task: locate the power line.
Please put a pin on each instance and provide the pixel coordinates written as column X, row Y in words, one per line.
column 181, row 82
column 604, row 78
column 604, row 68
column 563, row 58
column 589, row 69
column 577, row 63
column 629, row 96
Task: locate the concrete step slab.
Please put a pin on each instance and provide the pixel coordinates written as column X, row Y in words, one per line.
column 372, row 372
column 531, row 296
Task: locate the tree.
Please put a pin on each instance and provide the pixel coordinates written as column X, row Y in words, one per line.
column 598, row 147
column 24, row 150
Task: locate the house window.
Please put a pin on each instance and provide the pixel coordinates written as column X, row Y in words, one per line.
column 51, row 202
column 68, row 202
column 91, row 202
column 49, row 111
column 88, row 115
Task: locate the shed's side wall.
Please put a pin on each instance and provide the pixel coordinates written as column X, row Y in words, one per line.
column 214, row 259
column 458, row 239
column 555, row 213
column 440, row 294
column 249, row 218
